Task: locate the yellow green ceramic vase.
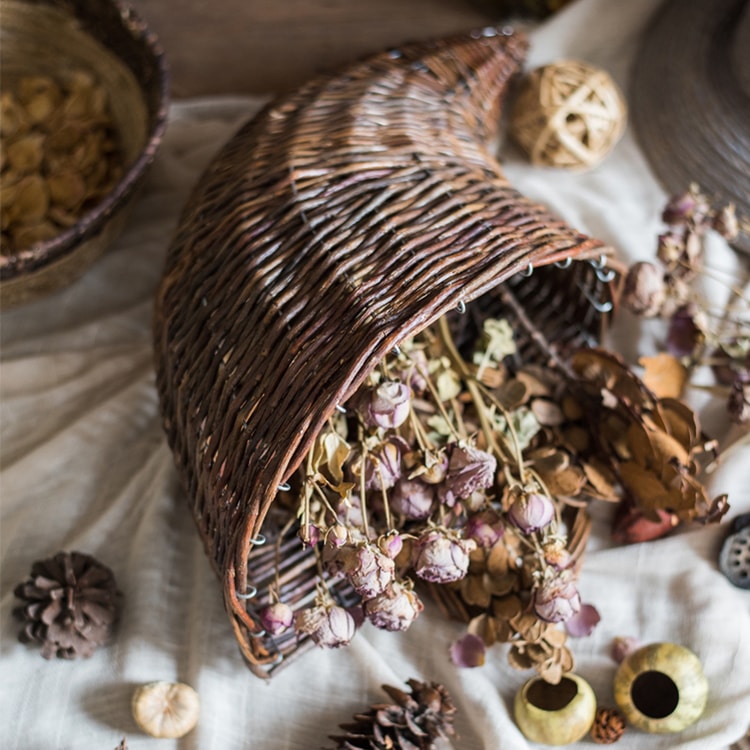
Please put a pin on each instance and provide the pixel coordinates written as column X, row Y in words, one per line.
column 661, row 688
column 555, row 714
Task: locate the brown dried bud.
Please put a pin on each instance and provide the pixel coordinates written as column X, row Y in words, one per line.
column 644, row 290
column 689, row 207
column 738, row 404
column 608, row 726
column 329, row 625
column 725, row 222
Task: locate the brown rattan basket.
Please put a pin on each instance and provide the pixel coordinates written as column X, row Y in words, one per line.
column 345, row 217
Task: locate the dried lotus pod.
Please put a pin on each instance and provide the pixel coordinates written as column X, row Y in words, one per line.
column 165, row 709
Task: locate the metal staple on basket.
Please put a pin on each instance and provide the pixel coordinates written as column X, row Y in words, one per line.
column 345, row 217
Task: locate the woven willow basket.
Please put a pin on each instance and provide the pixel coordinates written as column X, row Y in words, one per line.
column 345, row 217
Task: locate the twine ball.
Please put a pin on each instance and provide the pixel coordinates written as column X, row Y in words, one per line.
column 568, row 114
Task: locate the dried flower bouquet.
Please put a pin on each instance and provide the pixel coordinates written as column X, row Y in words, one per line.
column 459, row 469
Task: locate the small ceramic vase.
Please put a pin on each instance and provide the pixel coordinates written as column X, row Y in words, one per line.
column 661, row 688
column 555, row 714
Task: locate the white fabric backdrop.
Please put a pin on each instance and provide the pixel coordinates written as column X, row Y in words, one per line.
column 86, row 467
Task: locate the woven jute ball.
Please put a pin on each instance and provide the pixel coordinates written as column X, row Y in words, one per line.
column 568, row 114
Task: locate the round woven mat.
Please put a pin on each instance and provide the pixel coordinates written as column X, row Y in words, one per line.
column 690, row 100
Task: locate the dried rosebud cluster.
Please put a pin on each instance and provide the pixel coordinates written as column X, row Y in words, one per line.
column 666, row 290
column 421, row 481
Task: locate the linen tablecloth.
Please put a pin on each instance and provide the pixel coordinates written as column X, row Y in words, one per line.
column 85, row 466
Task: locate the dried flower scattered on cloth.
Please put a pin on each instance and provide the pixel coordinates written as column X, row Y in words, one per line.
column 71, row 604
column 698, row 333
column 413, row 721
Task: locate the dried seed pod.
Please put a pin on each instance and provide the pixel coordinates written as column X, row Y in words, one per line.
column 165, row 709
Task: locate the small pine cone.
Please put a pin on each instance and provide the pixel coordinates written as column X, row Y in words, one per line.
column 70, row 605
column 412, row 722
column 123, row 745
column 608, row 726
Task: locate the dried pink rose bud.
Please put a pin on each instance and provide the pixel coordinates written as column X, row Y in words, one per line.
column 532, row 512
column 310, row 535
column 670, row 248
column 725, row 222
column 690, row 206
column 369, row 571
column 389, row 405
column 556, row 599
column 644, row 289
column 394, row 609
column 583, row 622
column 556, row 554
column 412, row 499
column 414, row 374
column 391, row 544
column 276, row 618
column 440, row 557
column 329, row 625
column 622, row 646
column 469, row 469
column 485, row 528
column 383, row 468
column 468, row 651
column 337, row 536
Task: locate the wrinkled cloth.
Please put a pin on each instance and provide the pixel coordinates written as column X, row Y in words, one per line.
column 85, row 466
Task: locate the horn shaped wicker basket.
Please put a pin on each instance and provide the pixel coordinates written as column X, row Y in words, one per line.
column 345, row 217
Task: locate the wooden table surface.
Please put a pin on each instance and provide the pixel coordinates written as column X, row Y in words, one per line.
column 261, row 46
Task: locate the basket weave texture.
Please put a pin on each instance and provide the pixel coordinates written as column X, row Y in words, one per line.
column 345, row 217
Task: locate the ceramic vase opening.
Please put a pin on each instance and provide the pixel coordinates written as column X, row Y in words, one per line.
column 549, row 697
column 655, row 694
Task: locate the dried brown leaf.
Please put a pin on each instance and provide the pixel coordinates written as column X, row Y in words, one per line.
column 547, row 412
column 664, row 374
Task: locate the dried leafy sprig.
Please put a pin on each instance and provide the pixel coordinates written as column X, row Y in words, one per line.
column 697, row 334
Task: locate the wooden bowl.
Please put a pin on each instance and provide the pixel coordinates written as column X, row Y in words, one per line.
column 106, row 39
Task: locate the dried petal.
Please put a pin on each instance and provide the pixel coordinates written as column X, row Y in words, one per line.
column 583, row 622
column 623, row 646
column 468, row 651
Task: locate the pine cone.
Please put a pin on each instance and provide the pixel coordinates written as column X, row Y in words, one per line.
column 71, row 603
column 412, row 722
column 608, row 727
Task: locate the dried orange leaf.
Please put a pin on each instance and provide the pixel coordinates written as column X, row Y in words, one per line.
column 664, row 374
